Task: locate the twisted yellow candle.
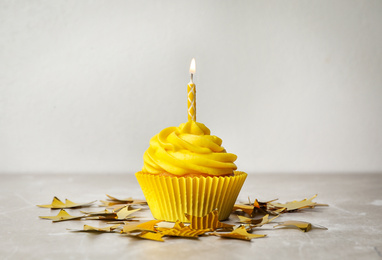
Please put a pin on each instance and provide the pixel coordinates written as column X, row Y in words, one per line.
column 191, row 94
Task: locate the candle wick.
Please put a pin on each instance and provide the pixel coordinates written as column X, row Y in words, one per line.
column 192, row 77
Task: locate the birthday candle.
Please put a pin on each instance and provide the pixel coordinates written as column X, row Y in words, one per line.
column 191, row 94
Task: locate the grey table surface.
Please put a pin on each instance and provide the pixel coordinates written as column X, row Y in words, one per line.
column 353, row 219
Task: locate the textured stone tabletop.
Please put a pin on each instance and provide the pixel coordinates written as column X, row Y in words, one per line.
column 353, row 219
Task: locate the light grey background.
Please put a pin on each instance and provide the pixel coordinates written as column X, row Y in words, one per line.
column 290, row 86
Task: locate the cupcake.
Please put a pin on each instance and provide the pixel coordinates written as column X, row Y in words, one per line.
column 186, row 170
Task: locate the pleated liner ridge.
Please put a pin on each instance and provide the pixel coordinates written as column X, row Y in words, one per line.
column 169, row 198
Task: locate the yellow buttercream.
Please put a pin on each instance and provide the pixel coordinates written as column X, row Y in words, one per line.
column 188, row 149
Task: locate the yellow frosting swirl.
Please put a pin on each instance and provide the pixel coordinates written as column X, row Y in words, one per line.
column 188, row 149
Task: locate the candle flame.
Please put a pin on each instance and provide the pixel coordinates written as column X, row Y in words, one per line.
column 192, row 66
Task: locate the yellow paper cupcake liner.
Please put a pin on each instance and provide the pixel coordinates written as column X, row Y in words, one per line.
column 169, row 198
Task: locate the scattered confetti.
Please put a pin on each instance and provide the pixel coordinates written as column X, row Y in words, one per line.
column 256, row 222
column 295, row 205
column 110, row 204
column 61, row 216
column 239, row 233
column 58, row 204
column 274, row 208
column 301, row 225
column 129, row 200
column 98, row 213
column 88, row 228
column 245, row 208
column 145, row 226
column 119, row 212
column 151, row 236
column 125, row 212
